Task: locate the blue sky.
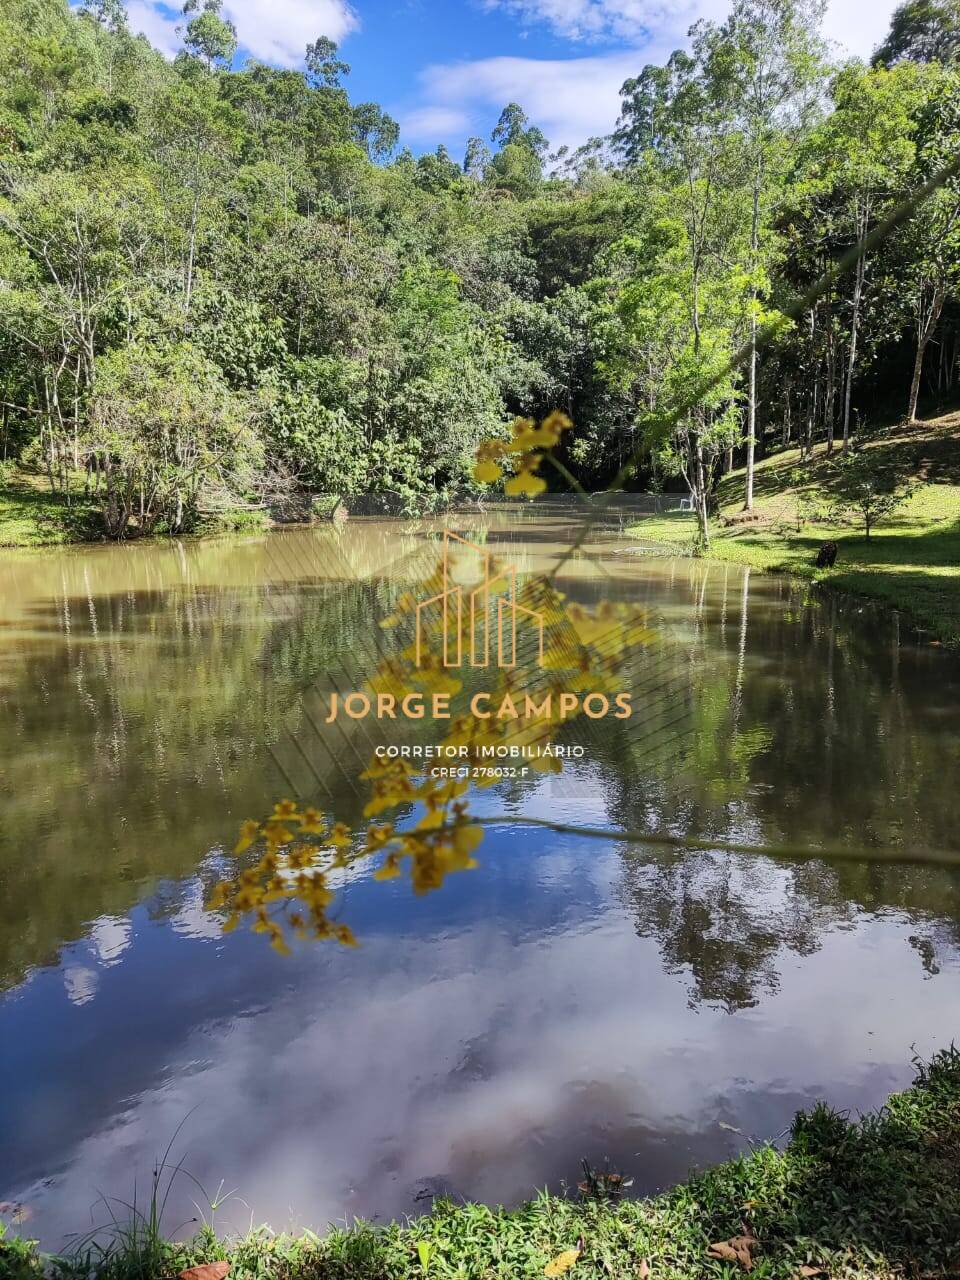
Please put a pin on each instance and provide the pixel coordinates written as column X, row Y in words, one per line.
column 444, row 68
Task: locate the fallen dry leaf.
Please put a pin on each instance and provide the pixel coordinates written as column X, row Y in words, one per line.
column 723, row 1250
column 736, row 1249
column 643, row 1270
column 807, row 1271
column 562, row 1263
column 206, row 1271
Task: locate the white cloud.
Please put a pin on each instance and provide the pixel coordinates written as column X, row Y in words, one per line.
column 856, row 26
column 276, row 31
column 279, row 31
column 158, row 26
column 621, row 19
column 572, row 99
column 431, row 123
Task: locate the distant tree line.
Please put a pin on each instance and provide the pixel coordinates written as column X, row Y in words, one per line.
column 228, row 285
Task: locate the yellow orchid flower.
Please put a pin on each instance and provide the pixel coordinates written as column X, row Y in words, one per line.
column 487, row 472
column 339, row 836
column 378, row 836
column 300, row 857
column 311, row 822
column 390, row 869
column 524, row 482
column 249, row 834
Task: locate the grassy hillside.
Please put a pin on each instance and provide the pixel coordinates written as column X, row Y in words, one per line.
column 912, row 559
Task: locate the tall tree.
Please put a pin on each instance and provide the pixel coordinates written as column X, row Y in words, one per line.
column 922, row 31
column 111, row 14
column 930, row 241
column 208, row 35
column 476, row 159
column 682, row 118
column 324, row 66
column 855, row 165
column 514, row 129
column 377, row 132
column 773, row 53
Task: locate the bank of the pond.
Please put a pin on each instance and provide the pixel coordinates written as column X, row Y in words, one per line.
column 911, row 560
column 879, row 1196
column 32, row 516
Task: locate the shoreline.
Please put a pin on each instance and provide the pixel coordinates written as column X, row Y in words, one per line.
column 910, row 565
column 877, row 1196
column 928, row 624
column 911, row 562
column 34, row 519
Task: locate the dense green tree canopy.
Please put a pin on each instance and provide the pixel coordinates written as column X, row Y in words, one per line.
column 225, row 282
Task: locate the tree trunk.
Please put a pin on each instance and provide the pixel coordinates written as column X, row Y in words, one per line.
column 831, row 389
column 862, row 220
column 787, row 427
column 697, row 483
column 751, row 416
column 703, row 523
column 752, row 370
column 924, row 332
column 915, row 380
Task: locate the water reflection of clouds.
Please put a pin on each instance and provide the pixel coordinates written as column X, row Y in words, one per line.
column 193, row 920
column 109, row 939
column 488, row 1067
column 80, row 983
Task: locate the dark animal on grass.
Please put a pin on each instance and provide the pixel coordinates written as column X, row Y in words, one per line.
column 827, row 555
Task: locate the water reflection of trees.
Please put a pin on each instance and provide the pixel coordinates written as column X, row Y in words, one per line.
column 141, row 742
column 806, row 727
column 134, row 721
column 723, row 922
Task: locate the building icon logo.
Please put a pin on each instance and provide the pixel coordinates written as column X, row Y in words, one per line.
column 495, row 595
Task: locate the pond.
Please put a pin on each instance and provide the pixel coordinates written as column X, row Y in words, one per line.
column 571, row 999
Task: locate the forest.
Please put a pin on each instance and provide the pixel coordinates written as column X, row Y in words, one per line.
column 230, row 287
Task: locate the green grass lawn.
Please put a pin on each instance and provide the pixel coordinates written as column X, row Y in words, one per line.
column 911, row 561
column 879, row 1197
column 31, row 516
